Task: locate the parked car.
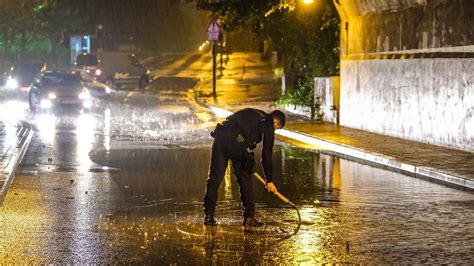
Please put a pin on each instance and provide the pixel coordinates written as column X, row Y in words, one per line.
column 56, row 88
column 20, row 76
column 96, row 88
column 87, row 62
column 115, row 69
column 4, row 69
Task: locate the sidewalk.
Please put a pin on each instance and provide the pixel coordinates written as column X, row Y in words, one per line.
column 439, row 164
column 14, row 140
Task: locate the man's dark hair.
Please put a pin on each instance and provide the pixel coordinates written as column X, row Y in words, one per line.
column 280, row 116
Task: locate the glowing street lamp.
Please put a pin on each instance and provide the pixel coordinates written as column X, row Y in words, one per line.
column 308, row 1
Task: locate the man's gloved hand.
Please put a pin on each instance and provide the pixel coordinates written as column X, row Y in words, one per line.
column 271, row 187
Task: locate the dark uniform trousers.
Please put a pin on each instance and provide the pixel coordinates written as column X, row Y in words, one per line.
column 225, row 148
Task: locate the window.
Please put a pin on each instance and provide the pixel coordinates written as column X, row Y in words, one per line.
column 60, row 80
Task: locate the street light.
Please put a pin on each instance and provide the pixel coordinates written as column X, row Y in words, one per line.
column 306, row 7
column 289, row 5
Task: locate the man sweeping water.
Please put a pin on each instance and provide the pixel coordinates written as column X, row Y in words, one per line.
column 234, row 140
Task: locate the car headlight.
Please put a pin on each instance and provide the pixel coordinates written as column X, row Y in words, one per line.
column 87, row 104
column 107, row 90
column 45, row 104
column 11, row 83
column 52, row 96
column 85, row 95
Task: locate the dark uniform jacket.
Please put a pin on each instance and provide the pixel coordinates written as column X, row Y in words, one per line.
column 255, row 125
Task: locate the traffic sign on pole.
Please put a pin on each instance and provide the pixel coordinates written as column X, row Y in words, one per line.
column 213, row 30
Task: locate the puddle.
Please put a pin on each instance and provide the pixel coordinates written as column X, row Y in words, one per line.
column 350, row 212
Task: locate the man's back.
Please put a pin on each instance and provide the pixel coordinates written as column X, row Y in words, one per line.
column 252, row 123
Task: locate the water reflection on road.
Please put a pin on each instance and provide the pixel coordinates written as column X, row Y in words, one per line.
column 351, row 212
column 158, row 158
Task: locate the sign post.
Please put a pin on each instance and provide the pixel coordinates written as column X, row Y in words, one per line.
column 213, row 31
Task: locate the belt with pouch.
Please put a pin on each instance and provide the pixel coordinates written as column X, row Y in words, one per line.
column 229, row 128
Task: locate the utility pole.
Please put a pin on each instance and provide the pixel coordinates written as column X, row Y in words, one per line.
column 213, row 31
column 221, row 41
column 214, row 68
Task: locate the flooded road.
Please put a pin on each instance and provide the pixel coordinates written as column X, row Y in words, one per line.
column 351, row 213
column 124, row 183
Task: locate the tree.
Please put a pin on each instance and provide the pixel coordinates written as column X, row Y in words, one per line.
column 54, row 19
column 24, row 21
column 308, row 41
column 307, row 38
column 15, row 18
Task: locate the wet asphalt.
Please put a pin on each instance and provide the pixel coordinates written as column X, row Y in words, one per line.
column 124, row 184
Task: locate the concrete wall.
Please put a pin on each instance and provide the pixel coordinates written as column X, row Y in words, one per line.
column 327, row 93
column 400, row 25
column 407, row 69
column 427, row 100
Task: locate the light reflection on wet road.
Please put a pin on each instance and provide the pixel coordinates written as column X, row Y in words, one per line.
column 350, row 212
column 125, row 182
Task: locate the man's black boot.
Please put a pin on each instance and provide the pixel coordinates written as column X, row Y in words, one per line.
column 209, row 220
column 251, row 221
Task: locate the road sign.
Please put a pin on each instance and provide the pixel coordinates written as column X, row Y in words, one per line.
column 213, row 30
column 213, row 36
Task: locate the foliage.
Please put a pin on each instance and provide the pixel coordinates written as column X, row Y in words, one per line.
column 144, row 24
column 37, row 27
column 16, row 25
column 289, row 5
column 54, row 17
column 278, row 72
column 308, row 42
column 303, row 94
column 233, row 13
column 305, row 37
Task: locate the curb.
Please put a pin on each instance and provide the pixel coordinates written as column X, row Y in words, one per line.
column 25, row 134
column 372, row 158
column 377, row 159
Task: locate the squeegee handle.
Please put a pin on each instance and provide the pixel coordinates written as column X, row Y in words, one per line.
column 283, row 198
column 278, row 194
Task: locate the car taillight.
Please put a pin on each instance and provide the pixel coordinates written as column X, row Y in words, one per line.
column 98, row 72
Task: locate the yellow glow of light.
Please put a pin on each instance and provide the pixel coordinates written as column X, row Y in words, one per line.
column 308, row 1
column 219, row 112
column 18, row 217
column 228, row 183
column 204, row 44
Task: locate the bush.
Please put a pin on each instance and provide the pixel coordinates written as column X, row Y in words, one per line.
column 302, row 94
